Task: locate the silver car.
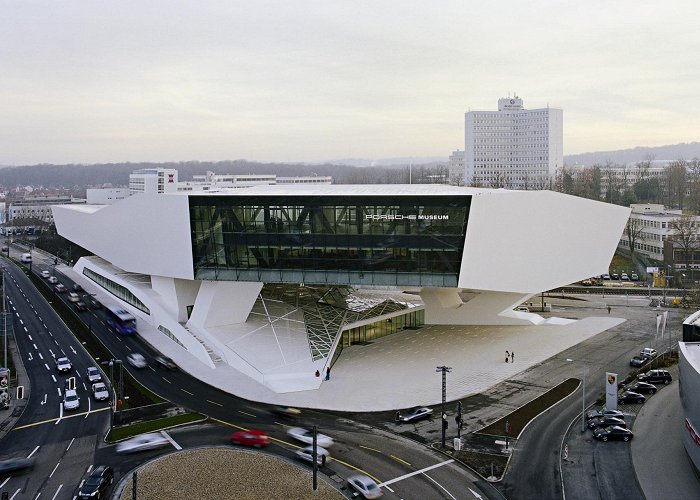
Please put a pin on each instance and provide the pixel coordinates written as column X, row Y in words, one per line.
column 142, row 442
column 365, row 486
column 93, row 374
column 100, row 392
column 136, row 360
column 71, row 401
column 306, row 454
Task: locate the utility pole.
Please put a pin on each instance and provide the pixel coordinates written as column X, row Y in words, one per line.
column 443, row 416
column 458, row 419
column 314, row 455
column 4, row 318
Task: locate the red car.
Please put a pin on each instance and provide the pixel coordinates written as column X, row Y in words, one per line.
column 250, row 438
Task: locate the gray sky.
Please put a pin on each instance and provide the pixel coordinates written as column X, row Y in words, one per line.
column 95, row 81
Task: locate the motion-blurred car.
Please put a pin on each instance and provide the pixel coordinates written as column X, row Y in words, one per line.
column 136, row 360
column 608, row 433
column 100, row 392
column 306, row 436
column 250, row 438
column 143, row 442
column 365, row 486
column 93, row 374
column 97, row 483
column 415, row 414
column 639, row 361
column 71, row 401
column 655, row 377
column 165, row 362
column 73, row 297
column 80, row 306
column 594, row 423
column 53, row 280
column 45, row 274
column 63, row 365
column 59, row 288
column 628, row 397
column 286, row 412
column 306, row 454
column 604, row 413
column 77, row 288
column 15, row 465
column 643, row 388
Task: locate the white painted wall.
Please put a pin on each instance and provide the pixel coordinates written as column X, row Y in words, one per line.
column 177, row 294
column 222, row 303
column 443, row 306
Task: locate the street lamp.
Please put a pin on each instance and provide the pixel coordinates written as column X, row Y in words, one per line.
column 583, row 395
column 443, row 416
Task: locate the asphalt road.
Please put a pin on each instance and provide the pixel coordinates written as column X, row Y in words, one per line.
column 408, row 469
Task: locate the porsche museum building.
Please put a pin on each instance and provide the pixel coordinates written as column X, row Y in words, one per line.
column 275, row 281
column 689, row 386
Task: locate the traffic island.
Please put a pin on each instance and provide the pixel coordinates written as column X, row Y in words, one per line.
column 218, row 473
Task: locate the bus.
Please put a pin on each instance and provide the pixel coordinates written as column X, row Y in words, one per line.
column 121, row 320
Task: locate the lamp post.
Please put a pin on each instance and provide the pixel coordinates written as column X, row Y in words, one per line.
column 443, row 416
column 583, row 394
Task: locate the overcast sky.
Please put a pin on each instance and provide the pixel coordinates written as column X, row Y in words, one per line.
column 94, row 81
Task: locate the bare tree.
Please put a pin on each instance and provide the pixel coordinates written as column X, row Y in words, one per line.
column 677, row 182
column 633, row 230
column 685, row 234
column 500, row 180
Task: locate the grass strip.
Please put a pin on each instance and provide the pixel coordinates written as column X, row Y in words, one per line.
column 127, row 431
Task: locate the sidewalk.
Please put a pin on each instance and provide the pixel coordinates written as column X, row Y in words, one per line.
column 9, row 417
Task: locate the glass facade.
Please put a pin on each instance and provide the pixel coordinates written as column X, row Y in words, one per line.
column 383, row 240
column 116, row 289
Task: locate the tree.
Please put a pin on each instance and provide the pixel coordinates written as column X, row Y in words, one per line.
column 685, row 234
column 633, row 230
column 500, row 180
column 677, row 182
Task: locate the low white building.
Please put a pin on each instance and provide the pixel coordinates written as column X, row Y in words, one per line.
column 455, row 167
column 38, row 208
column 153, row 181
column 106, row 196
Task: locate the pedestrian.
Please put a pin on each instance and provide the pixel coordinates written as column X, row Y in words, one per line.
column 507, row 355
column 328, row 373
column 318, row 373
column 397, row 417
column 608, row 309
column 512, row 357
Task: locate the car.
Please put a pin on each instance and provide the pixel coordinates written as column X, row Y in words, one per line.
column 594, row 423
column 522, row 309
column 97, row 483
column 624, row 277
column 73, row 297
column 613, row 432
column 77, row 288
column 136, row 360
column 93, row 374
column 80, row 306
column 615, row 276
column 71, row 401
column 415, row 414
column 365, row 486
column 643, row 388
column 628, row 397
column 5, row 249
column 143, row 442
column 606, row 276
column 100, row 392
column 605, row 413
column 15, row 465
column 634, row 277
column 94, row 303
column 59, row 288
column 250, row 438
column 655, row 377
column 306, row 436
column 286, row 412
column 639, row 361
column 63, row 364
column 165, row 362
column 45, row 274
column 648, row 352
column 53, row 280
column 306, row 454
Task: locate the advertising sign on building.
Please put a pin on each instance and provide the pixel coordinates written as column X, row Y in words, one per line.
column 611, row 391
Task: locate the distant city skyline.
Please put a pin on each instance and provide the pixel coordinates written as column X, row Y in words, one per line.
column 87, row 82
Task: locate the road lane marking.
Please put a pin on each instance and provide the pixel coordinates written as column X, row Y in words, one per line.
column 415, row 473
column 188, row 392
column 172, row 441
column 31, row 358
column 88, row 412
column 168, row 381
column 30, row 337
column 4, row 482
column 25, row 329
column 249, row 414
column 56, row 494
column 59, row 391
column 152, row 369
column 52, row 420
column 40, row 356
column 70, row 444
column 47, row 367
column 33, row 452
column 54, row 378
column 214, row 403
column 71, row 348
column 399, row 460
column 13, row 496
column 368, row 448
column 54, row 469
column 21, row 322
column 441, row 486
column 52, row 354
column 60, row 412
column 44, row 401
column 88, row 469
column 35, row 347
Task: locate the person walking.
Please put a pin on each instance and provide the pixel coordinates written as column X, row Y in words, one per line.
column 507, row 355
column 608, row 309
column 328, row 373
column 512, row 357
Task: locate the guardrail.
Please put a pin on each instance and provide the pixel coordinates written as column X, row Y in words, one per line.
column 619, row 290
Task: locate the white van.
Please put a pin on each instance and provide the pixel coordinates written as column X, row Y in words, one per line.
column 26, row 258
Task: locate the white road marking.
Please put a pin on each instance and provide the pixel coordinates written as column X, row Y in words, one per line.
column 33, row 452
column 69, row 444
column 59, row 391
column 85, row 387
column 18, row 490
column 54, row 378
column 25, row 329
column 47, row 366
column 4, row 482
column 54, row 469
column 56, row 494
column 30, row 337
column 52, row 354
column 44, row 401
column 71, row 348
column 35, row 347
column 21, row 322
column 88, row 412
column 88, row 469
column 13, row 307
column 42, row 357
column 172, row 441
column 60, row 413
column 414, row 473
column 30, row 357
column 441, row 486
column 168, row 381
column 39, row 317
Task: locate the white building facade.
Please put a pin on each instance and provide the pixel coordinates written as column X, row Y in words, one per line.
column 513, row 147
column 38, row 208
column 455, row 166
column 106, row 196
column 153, row 181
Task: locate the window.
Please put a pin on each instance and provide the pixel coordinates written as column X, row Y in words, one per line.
column 116, row 289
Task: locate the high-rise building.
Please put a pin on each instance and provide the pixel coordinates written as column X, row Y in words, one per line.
column 513, row 147
column 455, row 167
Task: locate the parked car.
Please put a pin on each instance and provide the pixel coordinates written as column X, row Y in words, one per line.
column 45, row 274
column 365, row 486
column 93, row 374
column 53, row 280
column 634, row 277
column 615, row 276
column 306, row 454
column 604, row 413
column 613, row 432
column 606, row 276
column 624, row 277
column 59, row 288
column 594, row 423
column 630, row 397
column 522, row 309
column 165, row 362
column 136, row 360
column 71, row 401
column 80, row 306
column 639, row 361
column 250, row 438
column 143, row 442
column 97, row 483
column 415, row 414
column 648, row 352
column 77, row 288
column 643, row 388
column 306, row 436
column 100, row 392
column 63, row 364
column 655, row 377
column 73, row 297
column 15, row 465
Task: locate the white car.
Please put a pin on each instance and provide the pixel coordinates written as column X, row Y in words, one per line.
column 63, row 365
column 45, row 274
column 71, row 401
column 53, row 280
column 136, row 360
column 73, row 297
column 648, row 352
column 142, row 442
column 365, row 486
column 306, row 454
column 306, row 436
column 93, row 374
column 100, row 392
